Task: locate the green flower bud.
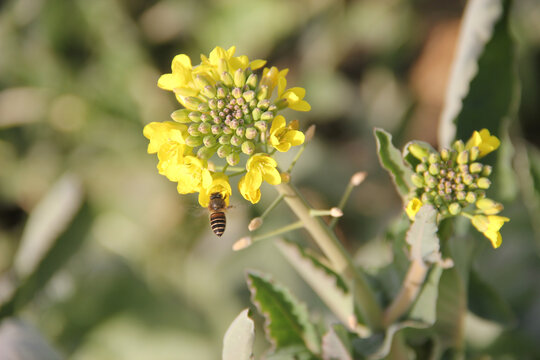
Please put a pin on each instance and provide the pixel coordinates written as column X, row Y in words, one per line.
column 461, row 195
column 248, row 119
column 463, row 157
column 227, row 130
column 236, row 92
column 488, row 206
column 248, row 95
column 233, row 159
column 430, row 181
column 256, row 113
column 418, row 180
column 459, row 146
column 251, row 133
column 193, row 130
column 252, row 81
column 418, row 151
column 264, row 104
column 470, row 198
column 239, row 78
column 224, row 139
column 426, row 198
column 263, row 92
column 487, row 170
column 212, row 104
column 468, row 179
column 434, row 169
column 204, row 128
column 192, row 102
column 209, row 91
column 223, row 151
column 434, row 158
column 248, row 148
column 445, row 155
column 216, row 129
column 193, row 141
column 475, row 168
column 201, row 82
column 236, row 141
column 209, row 141
column 205, row 117
column 483, row 183
column 267, row 116
column 227, row 79
column 205, row 153
column 421, row 168
column 474, row 152
column 221, row 93
column 181, row 116
column 240, row 131
column 261, row 125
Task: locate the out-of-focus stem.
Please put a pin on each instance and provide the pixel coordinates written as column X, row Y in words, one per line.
column 338, row 256
column 407, row 295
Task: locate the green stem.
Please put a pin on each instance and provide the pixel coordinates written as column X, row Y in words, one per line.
column 338, row 256
column 296, row 157
column 272, row 206
column 342, row 202
column 283, row 230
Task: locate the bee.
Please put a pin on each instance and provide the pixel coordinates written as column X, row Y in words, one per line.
column 217, row 206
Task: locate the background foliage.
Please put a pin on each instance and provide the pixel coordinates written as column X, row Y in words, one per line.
column 132, row 269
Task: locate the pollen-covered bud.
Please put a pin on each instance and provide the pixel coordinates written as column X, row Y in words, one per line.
column 434, row 169
column 209, row 141
column 193, row 130
column 193, row 141
column 475, row 168
column 470, row 197
column 418, row 151
column 232, row 159
column 240, row 77
column 248, row 148
column 181, row 116
column 463, row 157
column 223, row 151
column 251, row 81
column 418, row 180
column 483, row 183
column 458, row 145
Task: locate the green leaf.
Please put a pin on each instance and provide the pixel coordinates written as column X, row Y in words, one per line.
column 424, row 308
column 323, row 280
column 239, row 337
column 484, row 301
column 391, row 159
column 336, row 344
column 422, row 236
column 482, row 89
column 286, row 319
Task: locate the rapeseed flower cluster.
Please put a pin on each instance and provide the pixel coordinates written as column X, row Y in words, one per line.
column 455, row 182
column 229, row 112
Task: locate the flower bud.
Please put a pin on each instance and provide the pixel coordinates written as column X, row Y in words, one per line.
column 468, row 179
column 248, row 148
column 470, row 197
column 195, row 116
column 267, row 116
column 181, row 116
column 252, row 81
column 227, row 78
column 227, row 130
column 430, row 181
column 445, row 155
column 248, row 95
column 251, row 133
column 263, row 92
column 261, row 126
column 221, row 93
column 461, row 195
column 236, row 141
column 193, row 141
column 205, row 153
column 487, row 170
column 454, row 209
column 417, row 180
column 426, row 198
column 192, row 102
column 224, row 139
column 239, row 78
column 236, row 92
column 421, row 168
column 475, row 168
column 255, row 223
column 256, row 113
column 209, row 91
column 233, row 159
column 209, row 141
column 418, row 151
column 193, row 130
column 216, row 129
column 483, row 183
column 223, row 151
column 234, row 124
column 434, row 158
column 212, row 104
column 222, row 66
column 201, row 82
column 264, row 104
column 434, row 169
column 248, row 119
column 240, row 131
column 204, row 128
column 474, row 153
column 463, row 157
column 489, row 207
column 459, row 146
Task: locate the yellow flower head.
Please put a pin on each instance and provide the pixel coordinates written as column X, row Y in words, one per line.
column 283, row 137
column 490, row 226
column 413, row 207
column 485, row 142
column 274, row 77
column 295, row 99
column 219, row 184
column 249, row 186
column 193, row 175
column 259, row 167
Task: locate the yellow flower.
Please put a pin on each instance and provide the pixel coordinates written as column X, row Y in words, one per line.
column 192, row 175
column 485, row 142
column 220, row 58
column 180, row 80
column 489, row 207
column 219, row 184
column 283, row 137
column 295, row 99
column 413, row 207
column 273, row 77
column 490, row 226
column 259, row 167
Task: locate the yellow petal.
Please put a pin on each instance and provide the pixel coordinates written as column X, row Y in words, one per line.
column 271, row 176
column 180, row 63
column 485, row 142
column 168, row 81
column 277, row 124
column 413, row 207
column 257, row 64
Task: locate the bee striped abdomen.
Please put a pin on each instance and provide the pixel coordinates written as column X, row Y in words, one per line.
column 217, row 222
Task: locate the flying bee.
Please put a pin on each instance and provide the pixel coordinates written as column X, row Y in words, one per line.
column 217, row 206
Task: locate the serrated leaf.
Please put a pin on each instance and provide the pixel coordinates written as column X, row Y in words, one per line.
column 286, row 319
column 391, row 160
column 239, row 337
column 336, row 344
column 323, row 280
column 422, row 236
column 484, row 301
column 425, row 307
column 476, row 98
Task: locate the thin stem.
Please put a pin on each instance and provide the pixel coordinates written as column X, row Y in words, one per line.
column 272, row 206
column 238, row 173
column 338, row 256
column 407, row 295
column 296, row 157
column 225, row 167
column 283, row 230
column 342, row 202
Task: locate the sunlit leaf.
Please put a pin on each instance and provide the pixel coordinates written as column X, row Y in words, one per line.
column 238, row 340
column 392, row 161
column 422, row 236
column 286, row 319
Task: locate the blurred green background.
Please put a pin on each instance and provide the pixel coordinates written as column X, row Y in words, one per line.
column 139, row 274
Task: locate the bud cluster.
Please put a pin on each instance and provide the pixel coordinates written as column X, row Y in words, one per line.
column 452, row 179
column 230, row 117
